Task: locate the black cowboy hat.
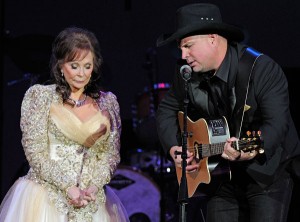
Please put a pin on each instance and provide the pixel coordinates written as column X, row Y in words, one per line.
column 200, row 18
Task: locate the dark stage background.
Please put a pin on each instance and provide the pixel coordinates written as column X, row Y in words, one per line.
column 127, row 31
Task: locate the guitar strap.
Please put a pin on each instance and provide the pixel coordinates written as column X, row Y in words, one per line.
column 245, row 69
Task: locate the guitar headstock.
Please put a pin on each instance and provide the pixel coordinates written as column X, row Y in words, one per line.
column 253, row 141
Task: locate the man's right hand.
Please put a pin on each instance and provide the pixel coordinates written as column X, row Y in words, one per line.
column 192, row 165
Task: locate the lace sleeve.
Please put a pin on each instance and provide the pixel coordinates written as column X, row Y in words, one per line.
column 111, row 158
column 34, row 125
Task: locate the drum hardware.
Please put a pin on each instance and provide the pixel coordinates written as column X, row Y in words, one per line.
column 145, row 160
column 138, row 193
column 143, row 113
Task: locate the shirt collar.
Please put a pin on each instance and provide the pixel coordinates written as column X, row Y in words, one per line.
column 223, row 72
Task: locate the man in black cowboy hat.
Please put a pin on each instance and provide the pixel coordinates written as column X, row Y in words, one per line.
column 224, row 78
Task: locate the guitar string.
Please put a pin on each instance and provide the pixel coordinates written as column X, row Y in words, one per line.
column 206, row 147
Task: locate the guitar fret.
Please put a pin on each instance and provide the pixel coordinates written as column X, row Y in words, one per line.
column 217, row 148
column 205, row 150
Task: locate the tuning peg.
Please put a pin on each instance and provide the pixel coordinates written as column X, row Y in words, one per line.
column 248, row 133
column 259, row 133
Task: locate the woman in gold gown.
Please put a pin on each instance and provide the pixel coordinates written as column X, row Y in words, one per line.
column 71, row 139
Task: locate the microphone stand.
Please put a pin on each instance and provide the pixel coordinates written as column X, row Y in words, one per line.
column 183, row 188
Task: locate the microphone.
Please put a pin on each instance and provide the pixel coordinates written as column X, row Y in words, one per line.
column 186, row 72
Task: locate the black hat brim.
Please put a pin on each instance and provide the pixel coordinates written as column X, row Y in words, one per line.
column 230, row 32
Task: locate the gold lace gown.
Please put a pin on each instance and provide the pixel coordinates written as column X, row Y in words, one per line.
column 53, row 138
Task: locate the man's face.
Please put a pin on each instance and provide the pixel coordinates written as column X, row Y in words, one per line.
column 198, row 51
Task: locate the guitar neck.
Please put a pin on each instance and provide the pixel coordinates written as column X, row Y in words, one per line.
column 208, row 150
column 244, row 144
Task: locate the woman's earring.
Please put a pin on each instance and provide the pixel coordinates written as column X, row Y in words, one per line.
column 62, row 73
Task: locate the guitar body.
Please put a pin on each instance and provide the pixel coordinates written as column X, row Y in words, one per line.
column 212, row 169
column 219, row 171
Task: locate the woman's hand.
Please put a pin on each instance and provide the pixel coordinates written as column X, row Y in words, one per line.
column 90, row 193
column 75, row 195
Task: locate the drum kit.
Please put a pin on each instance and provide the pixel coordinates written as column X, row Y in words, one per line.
column 148, row 185
column 150, row 156
column 143, row 113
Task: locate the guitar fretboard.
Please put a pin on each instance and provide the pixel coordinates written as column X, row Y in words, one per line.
column 207, row 150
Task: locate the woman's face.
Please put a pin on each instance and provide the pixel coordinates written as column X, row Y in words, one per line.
column 78, row 72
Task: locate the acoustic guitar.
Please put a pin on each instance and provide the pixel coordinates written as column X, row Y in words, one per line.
column 206, row 139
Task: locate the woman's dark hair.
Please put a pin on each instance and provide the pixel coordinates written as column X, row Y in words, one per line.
column 67, row 46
